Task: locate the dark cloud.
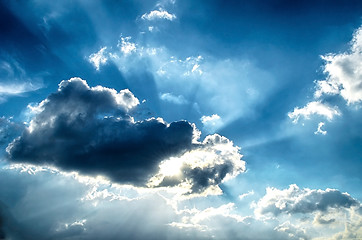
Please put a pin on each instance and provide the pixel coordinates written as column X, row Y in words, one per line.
column 90, row 130
column 295, row 200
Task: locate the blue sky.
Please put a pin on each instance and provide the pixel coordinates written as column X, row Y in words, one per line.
column 180, row 119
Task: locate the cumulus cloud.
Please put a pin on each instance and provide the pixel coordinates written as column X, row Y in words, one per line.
column 90, row 130
column 202, row 169
column 343, row 78
column 158, row 14
column 311, row 213
column 344, row 72
column 99, row 58
column 314, row 108
column 295, row 200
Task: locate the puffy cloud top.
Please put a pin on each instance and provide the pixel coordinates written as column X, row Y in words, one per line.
column 158, row 14
column 89, row 129
column 314, row 108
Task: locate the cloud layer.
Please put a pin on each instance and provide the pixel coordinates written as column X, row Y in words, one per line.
column 89, row 129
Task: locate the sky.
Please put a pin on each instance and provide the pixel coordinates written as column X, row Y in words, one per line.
column 180, row 119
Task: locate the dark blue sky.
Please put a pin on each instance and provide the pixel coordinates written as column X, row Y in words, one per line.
column 280, row 80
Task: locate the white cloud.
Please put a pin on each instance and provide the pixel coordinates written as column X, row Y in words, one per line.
column 343, row 78
column 158, row 14
column 211, row 123
column 126, row 46
column 98, row 58
column 169, row 97
column 344, row 72
column 325, row 87
column 200, row 171
column 320, row 130
column 314, row 108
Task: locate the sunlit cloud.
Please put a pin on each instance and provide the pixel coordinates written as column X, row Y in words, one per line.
column 137, row 152
column 158, row 14
column 126, row 46
column 314, row 108
column 99, row 58
column 211, row 123
column 96, row 125
column 344, row 73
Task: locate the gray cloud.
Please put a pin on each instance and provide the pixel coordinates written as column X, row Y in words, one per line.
column 295, row 200
column 89, row 129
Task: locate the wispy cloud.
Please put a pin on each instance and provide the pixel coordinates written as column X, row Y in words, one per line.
column 17, row 88
column 169, row 97
column 15, row 81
